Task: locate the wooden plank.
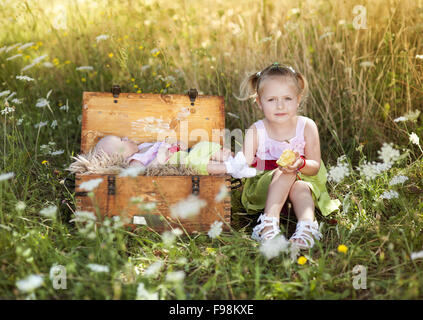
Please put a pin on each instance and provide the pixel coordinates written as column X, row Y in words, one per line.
column 151, row 117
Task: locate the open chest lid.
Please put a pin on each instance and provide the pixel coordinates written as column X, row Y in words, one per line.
column 147, row 117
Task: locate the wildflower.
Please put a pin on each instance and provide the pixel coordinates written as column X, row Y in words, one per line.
column 371, row 170
column 49, row 212
column 294, row 250
column 84, row 68
column 53, row 124
column 30, row 283
column 90, row 185
column 98, row 267
column 367, row 64
column 391, row 194
column 400, row 119
column 17, row 101
column 26, row 45
column 398, row 180
column 44, row 162
column 223, row 193
column 302, row 260
column 339, row 172
column 131, row 171
column 57, row 152
column 419, row 56
column 40, row 124
column 82, row 216
column 175, row 276
column 143, row 294
column 48, row 64
column 388, row 154
column 273, row 247
column 155, row 52
column 414, row 138
column 153, row 269
column 83, row 79
column 168, row 238
column 4, row 93
column 409, row 116
column 102, row 37
column 416, row 255
column 14, row 57
column 25, row 78
column 177, row 232
column 20, row 206
column 42, row 102
column 342, row 248
column 111, row 55
column 7, row 110
column 39, row 59
column 188, row 207
column 215, row 229
column 6, row 176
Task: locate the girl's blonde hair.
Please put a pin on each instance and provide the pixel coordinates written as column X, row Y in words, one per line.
column 250, row 86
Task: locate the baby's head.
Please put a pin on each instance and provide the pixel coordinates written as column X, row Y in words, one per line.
column 115, row 145
column 275, row 81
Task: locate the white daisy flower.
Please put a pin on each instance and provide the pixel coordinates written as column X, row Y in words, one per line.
column 400, row 119
column 98, row 267
column 6, row 176
column 388, row 154
column 25, row 78
column 391, row 194
column 223, row 193
column 82, row 216
column 414, row 138
column 273, row 247
column 30, row 283
column 339, row 172
column 143, row 294
column 416, row 255
column 90, row 185
column 49, row 212
column 102, row 37
column 398, row 180
column 215, row 229
column 85, row 68
column 153, row 269
column 187, row 208
column 175, row 276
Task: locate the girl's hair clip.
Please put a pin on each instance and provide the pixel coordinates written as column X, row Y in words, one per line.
column 258, row 74
column 292, row 69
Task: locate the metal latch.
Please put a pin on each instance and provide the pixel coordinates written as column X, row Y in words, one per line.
column 195, row 185
column 111, row 185
column 116, row 91
column 193, row 94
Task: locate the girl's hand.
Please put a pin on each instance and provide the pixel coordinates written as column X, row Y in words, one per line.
column 298, row 162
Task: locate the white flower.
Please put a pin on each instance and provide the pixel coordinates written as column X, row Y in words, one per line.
column 49, row 212
column 38, row 59
column 177, row 232
column 48, row 64
column 102, row 37
column 367, row 64
column 25, row 78
column 223, row 193
column 389, row 194
column 27, row 67
column 30, row 283
column 53, row 124
column 388, row 154
column 397, row 180
column 7, row 110
column 175, row 276
column 272, row 247
column 409, row 116
column 416, row 255
column 6, row 176
column 215, row 229
column 414, row 138
column 339, row 172
column 85, row 68
column 132, row 171
column 42, row 102
column 98, row 267
column 26, row 45
column 90, row 185
column 143, row 294
column 19, row 122
column 14, row 57
column 4, row 93
column 371, row 170
column 82, row 216
column 168, row 238
column 40, row 124
column 20, row 206
column 57, row 152
column 17, row 101
column 187, row 208
column 419, row 56
column 400, row 119
column 153, row 269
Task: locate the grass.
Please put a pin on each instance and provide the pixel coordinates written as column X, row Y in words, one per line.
column 163, row 47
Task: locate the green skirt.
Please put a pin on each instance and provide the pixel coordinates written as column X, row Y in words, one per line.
column 255, row 189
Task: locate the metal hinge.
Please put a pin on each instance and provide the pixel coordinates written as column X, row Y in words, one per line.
column 111, row 185
column 195, row 185
column 116, row 91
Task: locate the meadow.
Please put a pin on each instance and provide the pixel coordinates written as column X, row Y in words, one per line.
column 366, row 86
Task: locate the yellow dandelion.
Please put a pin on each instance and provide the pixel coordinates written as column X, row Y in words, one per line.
column 67, row 62
column 44, row 162
column 156, row 54
column 302, row 260
column 342, row 248
column 138, row 91
column 83, row 79
column 132, row 79
column 27, row 57
column 39, row 43
column 210, row 250
column 140, row 47
column 110, row 55
column 135, row 86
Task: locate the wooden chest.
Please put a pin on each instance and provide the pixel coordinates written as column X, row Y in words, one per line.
column 189, row 118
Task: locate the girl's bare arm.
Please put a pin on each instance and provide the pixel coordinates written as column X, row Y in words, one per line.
column 250, row 144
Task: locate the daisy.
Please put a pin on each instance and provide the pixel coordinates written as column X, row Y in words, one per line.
column 414, row 138
column 30, row 283
column 102, row 37
column 215, row 229
column 85, row 68
column 25, row 78
column 272, row 247
column 398, row 180
column 6, row 176
column 188, row 207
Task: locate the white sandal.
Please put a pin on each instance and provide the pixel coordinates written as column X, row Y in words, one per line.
column 301, row 230
column 266, row 222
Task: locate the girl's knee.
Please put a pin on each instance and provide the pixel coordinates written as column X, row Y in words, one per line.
column 298, row 187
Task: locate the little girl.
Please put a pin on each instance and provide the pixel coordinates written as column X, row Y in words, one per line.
column 278, row 91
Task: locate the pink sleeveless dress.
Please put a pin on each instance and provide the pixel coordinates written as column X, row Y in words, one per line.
column 271, row 149
column 254, row 192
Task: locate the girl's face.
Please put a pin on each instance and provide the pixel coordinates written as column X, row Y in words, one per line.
column 278, row 99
